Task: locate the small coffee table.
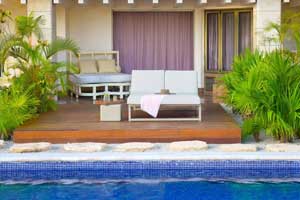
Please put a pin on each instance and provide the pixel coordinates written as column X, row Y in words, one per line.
column 110, row 111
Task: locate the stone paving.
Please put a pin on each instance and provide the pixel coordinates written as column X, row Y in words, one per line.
column 185, row 150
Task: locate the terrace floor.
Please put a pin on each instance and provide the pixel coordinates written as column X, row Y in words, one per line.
column 79, row 122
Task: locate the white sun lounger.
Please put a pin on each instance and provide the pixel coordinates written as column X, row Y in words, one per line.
column 182, row 86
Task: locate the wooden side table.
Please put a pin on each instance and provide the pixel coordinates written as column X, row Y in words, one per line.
column 110, row 110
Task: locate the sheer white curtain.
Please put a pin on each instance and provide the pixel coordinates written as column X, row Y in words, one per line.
column 245, row 39
column 212, row 41
column 228, row 37
column 236, row 38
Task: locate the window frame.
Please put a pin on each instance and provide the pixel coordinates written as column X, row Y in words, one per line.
column 220, row 13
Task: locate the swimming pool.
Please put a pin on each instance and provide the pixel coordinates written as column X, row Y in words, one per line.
column 187, row 190
column 194, row 179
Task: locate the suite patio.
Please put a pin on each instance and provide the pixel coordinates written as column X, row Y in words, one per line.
column 79, row 122
column 189, row 35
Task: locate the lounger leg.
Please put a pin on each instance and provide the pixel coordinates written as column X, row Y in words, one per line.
column 94, row 94
column 199, row 113
column 77, row 90
column 129, row 113
column 121, row 92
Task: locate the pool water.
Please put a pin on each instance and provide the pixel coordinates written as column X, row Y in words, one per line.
column 156, row 190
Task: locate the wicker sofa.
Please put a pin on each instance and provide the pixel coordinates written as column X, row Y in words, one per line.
column 100, row 74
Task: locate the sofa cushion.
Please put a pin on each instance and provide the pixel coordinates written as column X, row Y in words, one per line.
column 181, row 82
column 107, row 66
column 179, row 99
column 87, row 66
column 147, row 81
column 100, row 78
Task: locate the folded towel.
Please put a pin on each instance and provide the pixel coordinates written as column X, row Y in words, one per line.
column 151, row 103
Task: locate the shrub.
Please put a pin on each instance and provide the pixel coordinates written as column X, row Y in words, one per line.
column 264, row 88
column 34, row 60
column 16, row 107
column 33, row 91
column 47, row 78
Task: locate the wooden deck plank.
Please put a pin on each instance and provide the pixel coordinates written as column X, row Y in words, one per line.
column 79, row 122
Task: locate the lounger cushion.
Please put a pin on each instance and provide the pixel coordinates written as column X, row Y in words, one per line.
column 178, row 99
column 107, row 66
column 147, row 81
column 181, row 82
column 87, row 66
column 100, row 78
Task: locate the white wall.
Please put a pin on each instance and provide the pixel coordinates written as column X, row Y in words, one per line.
column 199, row 44
column 91, row 27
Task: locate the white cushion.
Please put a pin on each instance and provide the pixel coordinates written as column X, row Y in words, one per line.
column 147, row 81
column 100, row 78
column 181, row 82
column 178, row 99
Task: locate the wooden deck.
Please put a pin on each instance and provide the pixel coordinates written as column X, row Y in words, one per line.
column 79, row 122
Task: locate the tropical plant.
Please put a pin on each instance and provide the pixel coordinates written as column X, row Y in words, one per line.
column 279, row 108
column 241, row 84
column 33, row 91
column 17, row 105
column 34, row 58
column 264, row 88
column 37, row 69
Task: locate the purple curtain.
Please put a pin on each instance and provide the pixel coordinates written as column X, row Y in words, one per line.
column 154, row 40
column 212, row 41
column 244, row 31
column 228, row 40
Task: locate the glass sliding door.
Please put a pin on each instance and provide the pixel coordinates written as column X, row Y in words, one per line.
column 245, row 29
column 228, row 37
column 212, row 41
column 228, row 33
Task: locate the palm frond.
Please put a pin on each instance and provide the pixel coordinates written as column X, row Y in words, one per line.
column 60, row 45
column 26, row 26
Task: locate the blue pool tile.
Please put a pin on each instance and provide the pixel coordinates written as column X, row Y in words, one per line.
column 207, row 169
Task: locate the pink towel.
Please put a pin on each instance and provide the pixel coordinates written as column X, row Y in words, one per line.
column 151, row 103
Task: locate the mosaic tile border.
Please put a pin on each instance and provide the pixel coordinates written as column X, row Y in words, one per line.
column 97, row 170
